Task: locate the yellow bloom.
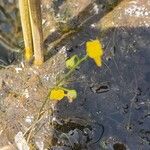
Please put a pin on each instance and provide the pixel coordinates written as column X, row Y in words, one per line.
column 57, row 94
column 94, row 50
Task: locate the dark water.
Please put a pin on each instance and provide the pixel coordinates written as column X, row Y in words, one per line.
column 6, row 57
column 10, row 32
column 115, row 96
column 112, row 110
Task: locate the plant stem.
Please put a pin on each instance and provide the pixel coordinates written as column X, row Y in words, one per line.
column 40, row 114
column 66, row 76
column 69, row 73
column 36, row 28
column 26, row 27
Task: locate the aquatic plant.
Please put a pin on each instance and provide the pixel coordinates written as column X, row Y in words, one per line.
column 59, row 93
column 93, row 50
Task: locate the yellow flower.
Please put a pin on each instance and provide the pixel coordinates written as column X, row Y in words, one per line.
column 57, row 94
column 94, row 50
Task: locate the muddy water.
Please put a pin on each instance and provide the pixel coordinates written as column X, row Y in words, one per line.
column 10, row 32
column 115, row 96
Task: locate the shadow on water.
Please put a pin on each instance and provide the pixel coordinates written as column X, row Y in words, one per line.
column 116, row 96
column 6, row 57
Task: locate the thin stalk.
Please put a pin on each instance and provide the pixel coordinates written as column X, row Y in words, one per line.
column 70, row 72
column 36, row 27
column 8, row 43
column 40, row 114
column 26, row 27
column 65, row 77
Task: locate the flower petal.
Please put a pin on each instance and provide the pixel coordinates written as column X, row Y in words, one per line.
column 57, row 94
column 94, row 50
column 98, row 61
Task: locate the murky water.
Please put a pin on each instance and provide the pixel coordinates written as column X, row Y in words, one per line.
column 116, row 95
column 10, row 32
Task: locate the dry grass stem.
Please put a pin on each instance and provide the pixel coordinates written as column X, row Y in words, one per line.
column 26, row 28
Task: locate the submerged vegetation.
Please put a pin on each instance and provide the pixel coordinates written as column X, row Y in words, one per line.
column 94, row 50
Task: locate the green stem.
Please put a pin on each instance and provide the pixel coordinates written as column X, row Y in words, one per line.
column 46, row 99
column 75, row 67
column 66, row 76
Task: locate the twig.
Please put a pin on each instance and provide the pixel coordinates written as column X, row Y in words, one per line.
column 8, row 43
column 131, row 105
